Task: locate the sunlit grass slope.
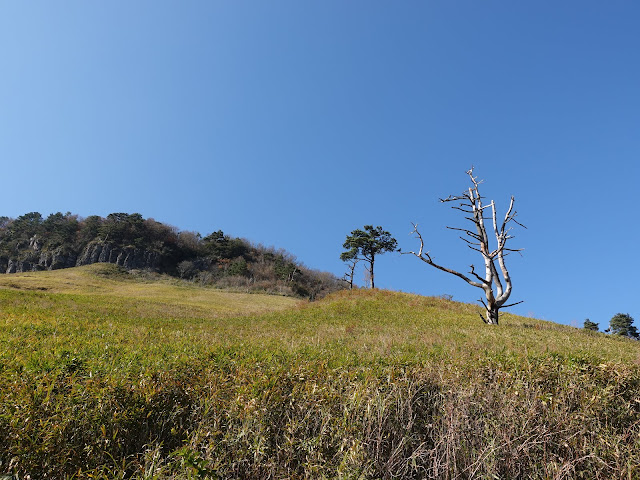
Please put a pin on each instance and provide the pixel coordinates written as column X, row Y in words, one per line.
column 105, row 375
column 163, row 293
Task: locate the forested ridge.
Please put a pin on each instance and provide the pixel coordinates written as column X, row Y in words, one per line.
column 32, row 242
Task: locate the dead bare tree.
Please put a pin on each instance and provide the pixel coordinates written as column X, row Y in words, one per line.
column 351, row 267
column 496, row 290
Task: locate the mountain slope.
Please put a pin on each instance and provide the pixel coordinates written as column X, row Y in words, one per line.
column 32, row 243
column 107, row 375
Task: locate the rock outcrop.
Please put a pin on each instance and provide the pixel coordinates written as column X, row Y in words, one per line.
column 19, row 266
column 59, row 258
column 96, row 252
column 128, row 257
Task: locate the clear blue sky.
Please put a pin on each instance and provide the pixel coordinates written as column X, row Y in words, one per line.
column 290, row 123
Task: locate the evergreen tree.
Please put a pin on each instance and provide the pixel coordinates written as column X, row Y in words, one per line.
column 621, row 324
column 368, row 243
column 589, row 325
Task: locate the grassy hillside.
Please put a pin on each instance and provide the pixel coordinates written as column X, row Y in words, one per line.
column 106, row 375
column 144, row 291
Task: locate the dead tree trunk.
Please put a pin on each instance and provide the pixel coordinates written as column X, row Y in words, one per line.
column 496, row 290
column 348, row 277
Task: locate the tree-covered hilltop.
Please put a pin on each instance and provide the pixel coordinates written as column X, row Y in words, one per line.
column 32, row 242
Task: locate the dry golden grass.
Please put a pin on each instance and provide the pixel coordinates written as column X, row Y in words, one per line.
column 111, row 375
column 157, row 293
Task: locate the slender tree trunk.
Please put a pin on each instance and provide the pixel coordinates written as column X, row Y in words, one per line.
column 352, row 269
column 371, row 271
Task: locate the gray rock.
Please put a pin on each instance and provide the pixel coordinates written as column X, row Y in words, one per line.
column 20, row 266
column 129, row 258
column 34, row 243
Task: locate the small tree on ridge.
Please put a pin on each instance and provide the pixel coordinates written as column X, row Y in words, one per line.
column 589, row 325
column 621, row 324
column 366, row 244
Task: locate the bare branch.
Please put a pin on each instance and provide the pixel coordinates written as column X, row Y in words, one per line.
column 515, row 221
column 512, row 304
column 507, row 216
column 473, row 272
column 468, row 241
column 465, row 210
column 468, row 232
column 452, row 198
column 425, row 257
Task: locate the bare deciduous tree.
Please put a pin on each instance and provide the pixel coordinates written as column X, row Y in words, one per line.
column 496, row 290
column 352, row 262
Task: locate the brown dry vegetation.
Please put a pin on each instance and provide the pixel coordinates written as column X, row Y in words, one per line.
column 108, row 377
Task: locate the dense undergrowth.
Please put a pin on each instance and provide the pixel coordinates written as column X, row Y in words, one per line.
column 360, row 385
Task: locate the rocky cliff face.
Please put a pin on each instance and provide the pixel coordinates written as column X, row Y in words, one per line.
column 59, row 258
column 19, row 266
column 129, row 257
column 96, row 252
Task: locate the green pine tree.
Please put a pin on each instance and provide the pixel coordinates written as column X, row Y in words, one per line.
column 367, row 244
column 589, row 325
column 621, row 324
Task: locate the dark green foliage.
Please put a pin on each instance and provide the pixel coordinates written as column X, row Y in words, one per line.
column 59, row 229
column 366, row 244
column 621, row 324
column 238, row 267
column 218, row 245
column 27, row 223
column 369, row 242
column 123, row 229
column 89, row 229
column 349, row 255
column 23, row 228
column 589, row 325
column 18, row 238
column 285, row 270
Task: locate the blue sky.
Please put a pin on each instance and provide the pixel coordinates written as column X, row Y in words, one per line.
column 291, row 123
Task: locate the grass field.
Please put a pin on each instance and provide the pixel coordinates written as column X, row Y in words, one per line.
column 110, row 375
